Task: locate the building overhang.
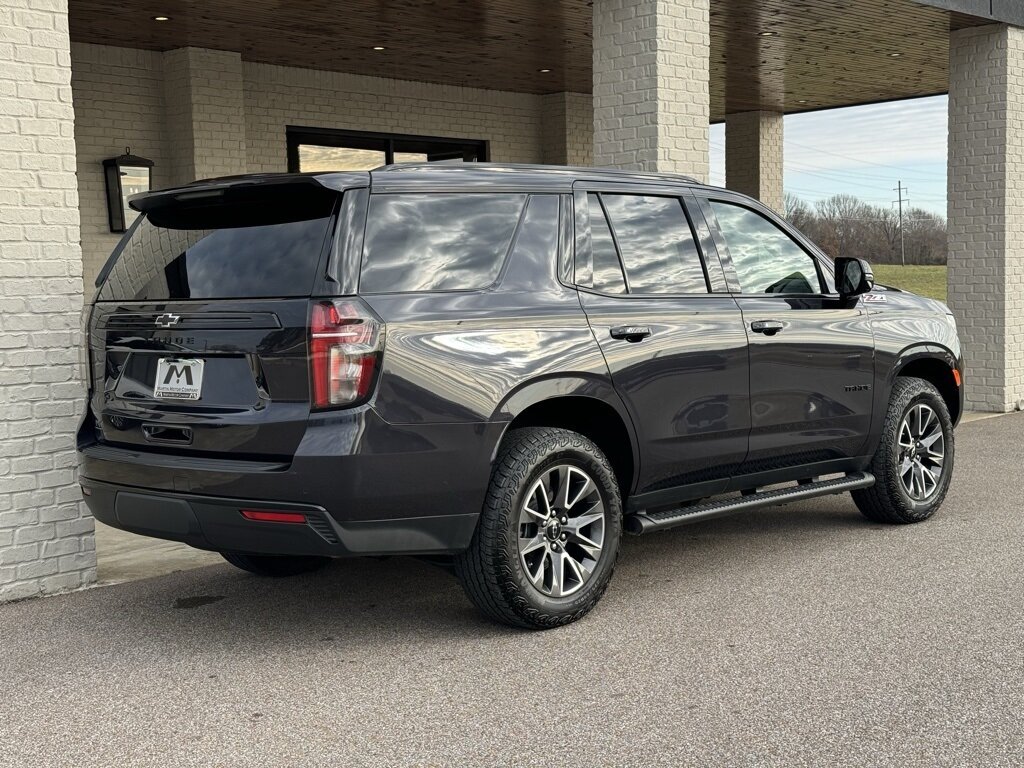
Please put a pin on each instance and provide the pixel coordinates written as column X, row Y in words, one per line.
column 778, row 55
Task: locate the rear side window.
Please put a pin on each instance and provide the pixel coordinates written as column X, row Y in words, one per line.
column 242, row 245
column 657, row 245
column 437, row 242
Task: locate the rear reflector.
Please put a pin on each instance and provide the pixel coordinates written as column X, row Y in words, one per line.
column 269, row 516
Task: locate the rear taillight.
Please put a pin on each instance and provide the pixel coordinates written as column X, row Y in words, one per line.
column 345, row 344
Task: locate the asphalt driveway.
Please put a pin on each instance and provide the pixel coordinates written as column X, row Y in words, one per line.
column 793, row 636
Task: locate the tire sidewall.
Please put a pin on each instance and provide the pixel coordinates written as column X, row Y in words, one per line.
column 528, row 595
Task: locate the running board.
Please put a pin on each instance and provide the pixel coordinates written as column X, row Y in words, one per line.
column 645, row 522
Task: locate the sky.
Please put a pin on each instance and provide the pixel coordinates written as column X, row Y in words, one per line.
column 862, row 151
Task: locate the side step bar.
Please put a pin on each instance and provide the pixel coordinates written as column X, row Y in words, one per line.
column 645, row 522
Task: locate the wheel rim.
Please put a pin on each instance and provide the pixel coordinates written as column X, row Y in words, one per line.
column 561, row 531
column 922, row 452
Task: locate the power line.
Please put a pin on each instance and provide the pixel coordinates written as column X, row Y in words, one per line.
column 902, row 169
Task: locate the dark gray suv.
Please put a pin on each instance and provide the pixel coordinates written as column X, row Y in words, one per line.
column 501, row 367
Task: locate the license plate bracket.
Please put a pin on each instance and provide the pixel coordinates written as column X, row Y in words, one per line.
column 178, row 378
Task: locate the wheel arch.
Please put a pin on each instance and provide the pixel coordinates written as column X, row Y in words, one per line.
column 588, row 406
column 938, row 366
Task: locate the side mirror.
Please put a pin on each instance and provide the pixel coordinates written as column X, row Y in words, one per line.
column 853, row 277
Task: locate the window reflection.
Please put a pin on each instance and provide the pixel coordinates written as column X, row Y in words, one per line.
column 607, row 270
column 657, row 245
column 273, row 260
column 437, row 242
column 766, row 259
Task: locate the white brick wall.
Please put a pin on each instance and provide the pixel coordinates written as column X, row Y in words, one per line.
column 205, row 114
column 651, row 90
column 567, row 124
column 119, row 102
column 276, row 97
column 46, row 537
column 986, row 210
column 754, row 156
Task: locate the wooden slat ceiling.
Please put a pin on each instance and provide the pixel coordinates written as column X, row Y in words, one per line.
column 820, row 53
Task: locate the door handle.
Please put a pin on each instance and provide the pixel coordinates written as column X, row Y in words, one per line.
column 767, row 327
column 631, row 333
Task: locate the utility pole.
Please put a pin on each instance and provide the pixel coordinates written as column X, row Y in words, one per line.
column 900, row 189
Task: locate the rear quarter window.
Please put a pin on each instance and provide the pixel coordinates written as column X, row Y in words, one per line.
column 437, row 242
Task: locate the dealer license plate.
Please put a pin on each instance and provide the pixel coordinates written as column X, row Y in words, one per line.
column 178, row 379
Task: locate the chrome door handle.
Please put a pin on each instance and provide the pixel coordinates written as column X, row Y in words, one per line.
column 631, row 333
column 767, row 327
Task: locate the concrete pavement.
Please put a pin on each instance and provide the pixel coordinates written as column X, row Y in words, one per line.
column 794, row 636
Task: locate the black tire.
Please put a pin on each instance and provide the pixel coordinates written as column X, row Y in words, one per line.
column 275, row 565
column 888, row 501
column 491, row 570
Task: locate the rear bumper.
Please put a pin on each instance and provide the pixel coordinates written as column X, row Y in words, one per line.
column 216, row 523
column 380, row 488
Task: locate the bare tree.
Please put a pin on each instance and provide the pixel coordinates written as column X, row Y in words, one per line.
column 844, row 225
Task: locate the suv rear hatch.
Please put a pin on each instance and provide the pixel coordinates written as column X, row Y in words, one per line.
column 198, row 337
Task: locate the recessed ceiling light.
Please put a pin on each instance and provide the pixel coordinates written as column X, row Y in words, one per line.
column 895, row 55
column 543, row 71
column 161, row 18
column 768, row 34
column 801, row 101
column 379, row 48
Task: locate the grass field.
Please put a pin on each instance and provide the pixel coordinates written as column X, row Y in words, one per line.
column 923, row 280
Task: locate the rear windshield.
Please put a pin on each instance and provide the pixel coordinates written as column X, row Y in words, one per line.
column 251, row 246
column 437, row 242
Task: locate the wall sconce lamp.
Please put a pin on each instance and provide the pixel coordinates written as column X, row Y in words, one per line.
column 125, row 176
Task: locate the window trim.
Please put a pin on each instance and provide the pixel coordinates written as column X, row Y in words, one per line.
column 581, row 200
column 705, row 198
column 615, row 245
column 385, row 142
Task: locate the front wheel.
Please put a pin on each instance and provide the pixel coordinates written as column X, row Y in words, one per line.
column 914, row 460
column 548, row 537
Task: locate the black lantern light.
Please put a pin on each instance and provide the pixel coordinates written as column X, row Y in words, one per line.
column 126, row 175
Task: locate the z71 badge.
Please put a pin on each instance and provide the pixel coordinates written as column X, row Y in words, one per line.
column 872, row 298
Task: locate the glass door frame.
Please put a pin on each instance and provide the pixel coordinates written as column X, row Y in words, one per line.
column 442, row 147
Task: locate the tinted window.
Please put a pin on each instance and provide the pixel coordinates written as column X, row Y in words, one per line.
column 657, row 245
column 766, row 259
column 249, row 246
column 441, row 242
column 607, row 270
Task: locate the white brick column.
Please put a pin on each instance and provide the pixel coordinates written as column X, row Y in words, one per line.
column 204, row 104
column 986, row 210
column 651, row 72
column 46, row 536
column 753, row 156
column 567, row 128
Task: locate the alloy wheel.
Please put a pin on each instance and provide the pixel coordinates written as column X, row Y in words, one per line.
column 921, row 452
column 561, row 530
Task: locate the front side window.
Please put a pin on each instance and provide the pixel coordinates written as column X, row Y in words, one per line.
column 765, row 258
column 656, row 243
column 437, row 242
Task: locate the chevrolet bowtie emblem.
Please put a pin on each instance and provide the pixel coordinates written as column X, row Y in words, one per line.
column 167, row 320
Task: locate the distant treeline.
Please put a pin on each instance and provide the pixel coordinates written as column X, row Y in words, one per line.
column 844, row 225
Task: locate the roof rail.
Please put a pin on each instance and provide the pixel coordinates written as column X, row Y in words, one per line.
column 577, row 170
